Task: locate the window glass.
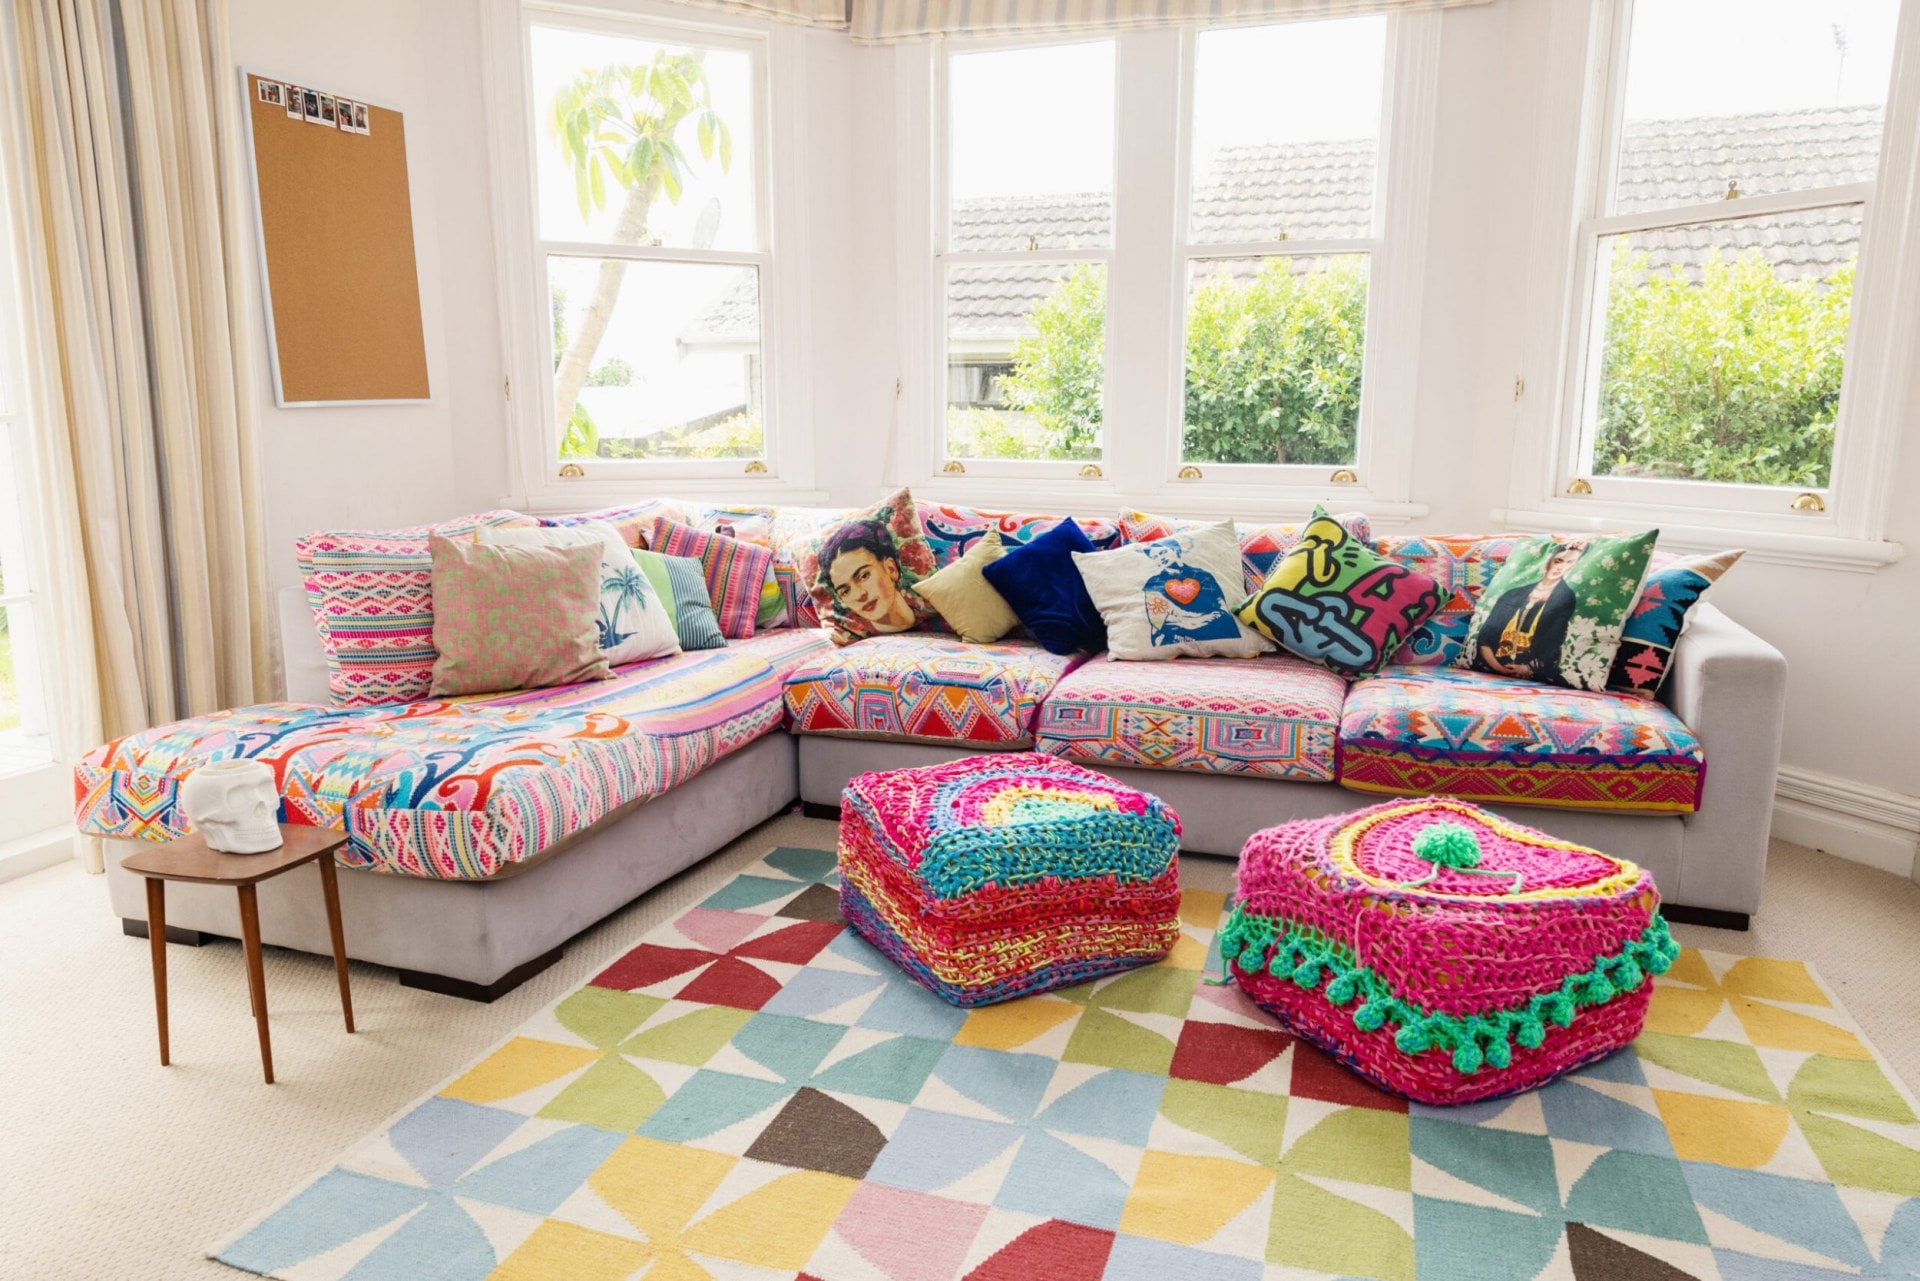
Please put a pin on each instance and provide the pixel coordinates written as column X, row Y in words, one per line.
column 1031, row 148
column 1026, row 360
column 643, row 143
column 1751, row 97
column 1723, row 346
column 645, row 150
column 1274, row 351
column 1286, row 127
column 674, row 370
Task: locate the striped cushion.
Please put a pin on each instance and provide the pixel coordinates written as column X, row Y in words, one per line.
column 735, row 571
column 372, row 597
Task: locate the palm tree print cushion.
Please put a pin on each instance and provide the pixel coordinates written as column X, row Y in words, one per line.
column 632, row 621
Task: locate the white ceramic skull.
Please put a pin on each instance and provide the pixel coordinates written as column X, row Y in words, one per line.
column 234, row 805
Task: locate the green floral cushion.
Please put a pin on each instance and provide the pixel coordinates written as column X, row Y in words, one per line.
column 1554, row 611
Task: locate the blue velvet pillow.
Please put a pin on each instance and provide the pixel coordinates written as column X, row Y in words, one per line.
column 1042, row 584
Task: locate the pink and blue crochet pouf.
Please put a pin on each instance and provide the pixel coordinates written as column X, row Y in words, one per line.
column 999, row 876
column 1443, row 952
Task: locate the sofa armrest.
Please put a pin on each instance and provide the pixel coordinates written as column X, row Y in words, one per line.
column 1730, row 687
column 303, row 657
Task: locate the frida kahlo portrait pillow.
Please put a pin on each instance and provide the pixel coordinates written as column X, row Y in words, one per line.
column 1553, row 613
column 861, row 571
column 1333, row 600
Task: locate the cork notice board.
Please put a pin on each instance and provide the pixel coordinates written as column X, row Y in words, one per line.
column 336, row 247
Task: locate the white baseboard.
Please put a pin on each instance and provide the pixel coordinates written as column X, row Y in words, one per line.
column 1854, row 821
column 31, row 853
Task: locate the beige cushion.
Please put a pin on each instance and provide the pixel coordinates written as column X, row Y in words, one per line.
column 509, row 618
column 965, row 599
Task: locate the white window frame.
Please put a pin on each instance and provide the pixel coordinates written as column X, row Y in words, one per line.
column 541, row 479
column 1580, row 119
column 1147, row 293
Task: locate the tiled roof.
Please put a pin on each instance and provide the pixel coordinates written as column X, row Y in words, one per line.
column 1323, row 190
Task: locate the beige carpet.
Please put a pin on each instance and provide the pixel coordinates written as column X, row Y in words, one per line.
column 116, row 1168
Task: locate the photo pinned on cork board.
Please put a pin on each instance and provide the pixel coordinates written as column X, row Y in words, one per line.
column 339, row 273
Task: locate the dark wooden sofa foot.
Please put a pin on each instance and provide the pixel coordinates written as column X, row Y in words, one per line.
column 175, row 933
column 483, row 992
column 1710, row 916
column 814, row 809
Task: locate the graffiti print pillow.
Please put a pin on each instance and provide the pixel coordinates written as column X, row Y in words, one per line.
column 1553, row 613
column 1171, row 597
column 861, row 571
column 1334, row 600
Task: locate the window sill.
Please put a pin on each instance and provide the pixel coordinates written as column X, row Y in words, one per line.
column 586, row 494
column 1101, row 497
column 1767, row 546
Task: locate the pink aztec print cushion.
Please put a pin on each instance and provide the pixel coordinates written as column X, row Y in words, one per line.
column 1441, row 951
column 1275, row 718
column 735, row 571
column 372, row 596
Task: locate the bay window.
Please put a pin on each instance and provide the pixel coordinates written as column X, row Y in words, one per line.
column 640, row 278
column 1173, row 265
column 1723, row 357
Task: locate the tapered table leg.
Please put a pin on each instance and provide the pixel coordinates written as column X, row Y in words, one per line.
column 157, row 933
column 330, row 888
column 256, row 972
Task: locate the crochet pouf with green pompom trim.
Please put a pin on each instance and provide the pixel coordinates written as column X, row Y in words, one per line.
column 1443, row 952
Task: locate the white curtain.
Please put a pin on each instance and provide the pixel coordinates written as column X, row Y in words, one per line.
column 125, row 178
column 892, row 21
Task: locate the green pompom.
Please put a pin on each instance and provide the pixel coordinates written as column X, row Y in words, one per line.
column 1447, row 844
column 1467, row 1059
column 1343, row 989
column 1531, row 1032
column 1230, row 947
column 1371, row 1016
column 1280, row 964
column 1411, row 1040
column 1558, row 1008
column 1627, row 975
column 1499, row 1055
column 1308, row 974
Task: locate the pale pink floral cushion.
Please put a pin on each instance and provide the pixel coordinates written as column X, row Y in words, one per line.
column 514, row 617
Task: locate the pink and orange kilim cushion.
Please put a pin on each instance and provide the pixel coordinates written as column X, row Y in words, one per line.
column 1442, row 952
column 999, row 876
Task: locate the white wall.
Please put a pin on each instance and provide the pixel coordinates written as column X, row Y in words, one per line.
column 383, row 465
column 1848, row 637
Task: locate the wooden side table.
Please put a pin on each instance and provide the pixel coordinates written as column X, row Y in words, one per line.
column 189, row 859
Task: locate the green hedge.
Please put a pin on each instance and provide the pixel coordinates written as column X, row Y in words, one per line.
column 1734, row 376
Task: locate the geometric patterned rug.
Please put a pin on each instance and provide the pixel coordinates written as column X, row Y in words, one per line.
column 753, row 1092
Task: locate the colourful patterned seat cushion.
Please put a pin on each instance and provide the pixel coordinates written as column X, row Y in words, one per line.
column 1267, row 717
column 1420, row 730
column 1443, row 952
column 372, row 596
column 999, row 876
column 1461, row 565
column 925, row 688
column 460, row 789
